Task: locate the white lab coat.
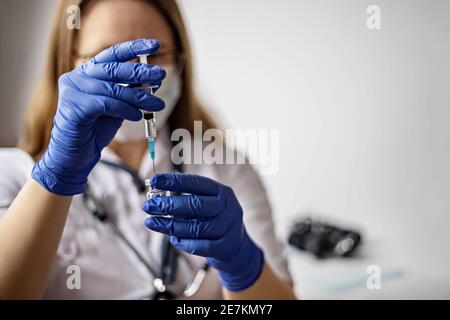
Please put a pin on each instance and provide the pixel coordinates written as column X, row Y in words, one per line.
column 108, row 268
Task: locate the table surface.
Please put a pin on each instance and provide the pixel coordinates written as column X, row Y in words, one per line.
column 403, row 275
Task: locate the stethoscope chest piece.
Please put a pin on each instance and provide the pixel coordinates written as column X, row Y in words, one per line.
column 161, row 291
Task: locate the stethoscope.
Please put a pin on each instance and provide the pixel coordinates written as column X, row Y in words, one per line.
column 166, row 274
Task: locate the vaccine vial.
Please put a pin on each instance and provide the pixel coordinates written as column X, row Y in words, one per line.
column 152, row 192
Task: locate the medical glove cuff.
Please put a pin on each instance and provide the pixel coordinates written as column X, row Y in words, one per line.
column 56, row 183
column 243, row 269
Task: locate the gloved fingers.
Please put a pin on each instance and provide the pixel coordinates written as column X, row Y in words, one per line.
column 109, row 126
column 219, row 247
column 185, row 206
column 118, row 109
column 136, row 97
column 126, row 72
column 186, row 183
column 187, row 229
column 127, row 51
column 89, row 107
column 200, row 247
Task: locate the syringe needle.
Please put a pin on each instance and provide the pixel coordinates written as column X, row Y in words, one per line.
column 154, row 170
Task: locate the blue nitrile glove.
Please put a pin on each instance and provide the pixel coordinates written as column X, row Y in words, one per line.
column 91, row 108
column 207, row 222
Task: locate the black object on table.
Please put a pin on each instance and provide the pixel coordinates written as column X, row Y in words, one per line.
column 324, row 240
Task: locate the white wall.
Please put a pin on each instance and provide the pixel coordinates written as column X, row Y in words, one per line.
column 363, row 115
column 24, row 28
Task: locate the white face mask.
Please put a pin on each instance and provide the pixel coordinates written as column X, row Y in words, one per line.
column 169, row 92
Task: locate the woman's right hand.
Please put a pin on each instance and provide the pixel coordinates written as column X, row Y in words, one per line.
column 91, row 108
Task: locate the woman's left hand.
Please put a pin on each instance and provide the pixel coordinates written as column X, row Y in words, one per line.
column 206, row 222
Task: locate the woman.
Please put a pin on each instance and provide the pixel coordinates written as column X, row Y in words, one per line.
column 59, row 224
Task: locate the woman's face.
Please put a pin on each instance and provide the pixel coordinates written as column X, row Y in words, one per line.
column 107, row 22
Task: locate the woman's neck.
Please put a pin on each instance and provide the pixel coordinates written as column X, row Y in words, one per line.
column 131, row 153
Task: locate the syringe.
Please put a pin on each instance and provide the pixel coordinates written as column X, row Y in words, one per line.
column 151, row 135
column 150, row 120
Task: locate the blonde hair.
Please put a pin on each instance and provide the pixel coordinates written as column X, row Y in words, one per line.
column 38, row 120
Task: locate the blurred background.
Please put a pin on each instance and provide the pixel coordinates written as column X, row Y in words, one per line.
column 363, row 118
